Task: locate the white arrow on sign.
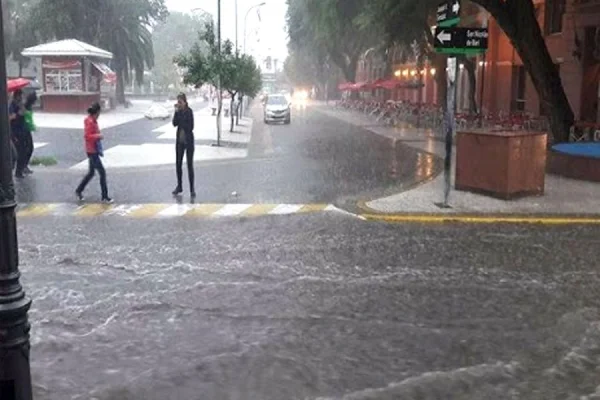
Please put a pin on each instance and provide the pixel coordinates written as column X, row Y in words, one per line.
column 456, row 7
column 444, row 37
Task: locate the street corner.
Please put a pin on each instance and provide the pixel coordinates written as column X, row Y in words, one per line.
column 417, row 206
column 165, row 210
column 446, row 215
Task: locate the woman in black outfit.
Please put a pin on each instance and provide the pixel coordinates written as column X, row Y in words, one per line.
column 183, row 120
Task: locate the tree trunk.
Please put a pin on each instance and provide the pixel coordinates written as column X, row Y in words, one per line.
column 231, row 114
column 518, row 20
column 120, row 90
column 439, row 61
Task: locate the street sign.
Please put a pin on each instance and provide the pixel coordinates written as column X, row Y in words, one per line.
column 448, row 13
column 461, row 40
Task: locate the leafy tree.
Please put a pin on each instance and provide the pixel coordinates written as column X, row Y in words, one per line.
column 240, row 76
column 170, row 38
column 121, row 26
column 17, row 35
column 410, row 19
column 332, row 26
column 237, row 74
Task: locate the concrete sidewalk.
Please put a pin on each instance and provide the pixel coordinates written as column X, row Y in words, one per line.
column 563, row 197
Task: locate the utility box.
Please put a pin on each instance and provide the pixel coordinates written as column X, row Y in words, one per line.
column 501, row 164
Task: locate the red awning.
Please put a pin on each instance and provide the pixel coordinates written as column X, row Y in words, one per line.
column 388, row 84
column 345, row 86
column 108, row 74
column 359, row 86
column 61, row 65
column 375, row 84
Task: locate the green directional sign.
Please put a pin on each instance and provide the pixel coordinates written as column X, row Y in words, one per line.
column 448, row 13
column 461, row 40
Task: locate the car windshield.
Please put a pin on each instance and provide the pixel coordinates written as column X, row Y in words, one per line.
column 276, row 101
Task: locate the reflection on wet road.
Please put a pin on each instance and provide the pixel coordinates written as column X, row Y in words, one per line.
column 316, row 159
column 303, row 307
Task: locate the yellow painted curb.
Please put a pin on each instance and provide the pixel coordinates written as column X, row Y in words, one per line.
column 476, row 219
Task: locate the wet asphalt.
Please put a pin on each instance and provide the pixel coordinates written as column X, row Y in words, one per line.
column 306, row 307
column 316, row 159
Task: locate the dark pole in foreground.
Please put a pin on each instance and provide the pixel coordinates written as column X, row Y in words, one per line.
column 15, row 376
column 449, row 125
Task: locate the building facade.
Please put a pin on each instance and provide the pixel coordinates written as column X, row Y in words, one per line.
column 571, row 29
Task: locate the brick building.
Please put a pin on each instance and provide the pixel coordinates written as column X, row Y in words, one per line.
column 572, row 33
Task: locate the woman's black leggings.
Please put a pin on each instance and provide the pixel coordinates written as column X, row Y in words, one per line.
column 24, row 147
column 182, row 149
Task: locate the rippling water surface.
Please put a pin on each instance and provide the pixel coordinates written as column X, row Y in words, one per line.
column 310, row 307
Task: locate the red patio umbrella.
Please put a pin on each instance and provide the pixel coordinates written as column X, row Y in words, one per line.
column 388, row 84
column 16, row 84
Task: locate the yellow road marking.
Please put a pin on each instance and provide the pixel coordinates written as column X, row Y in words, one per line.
column 309, row 208
column 259, row 209
column 204, row 210
column 148, row 210
column 473, row 219
column 92, row 210
column 36, row 210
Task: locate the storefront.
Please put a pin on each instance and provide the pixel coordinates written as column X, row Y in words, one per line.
column 74, row 75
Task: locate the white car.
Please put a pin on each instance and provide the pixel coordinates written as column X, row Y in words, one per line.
column 158, row 111
column 277, row 109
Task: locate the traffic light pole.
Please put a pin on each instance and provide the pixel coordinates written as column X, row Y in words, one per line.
column 15, row 375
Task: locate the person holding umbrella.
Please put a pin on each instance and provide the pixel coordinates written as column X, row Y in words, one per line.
column 16, row 116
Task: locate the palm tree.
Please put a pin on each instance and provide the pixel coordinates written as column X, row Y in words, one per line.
column 122, row 27
column 130, row 40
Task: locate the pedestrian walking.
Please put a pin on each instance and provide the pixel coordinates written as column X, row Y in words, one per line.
column 183, row 120
column 29, row 129
column 16, row 116
column 93, row 147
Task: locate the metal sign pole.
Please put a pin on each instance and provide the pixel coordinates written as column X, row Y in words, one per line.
column 449, row 127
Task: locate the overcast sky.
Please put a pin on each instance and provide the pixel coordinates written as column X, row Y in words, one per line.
column 266, row 36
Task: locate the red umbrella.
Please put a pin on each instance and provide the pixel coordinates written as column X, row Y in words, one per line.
column 16, row 84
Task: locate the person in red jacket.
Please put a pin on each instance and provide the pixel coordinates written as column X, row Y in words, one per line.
column 93, row 148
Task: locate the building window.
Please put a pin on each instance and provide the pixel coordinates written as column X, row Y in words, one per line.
column 555, row 10
column 64, row 80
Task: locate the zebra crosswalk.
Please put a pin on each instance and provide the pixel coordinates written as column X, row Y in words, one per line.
column 164, row 210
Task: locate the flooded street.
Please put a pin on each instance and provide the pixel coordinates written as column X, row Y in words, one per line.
column 306, row 307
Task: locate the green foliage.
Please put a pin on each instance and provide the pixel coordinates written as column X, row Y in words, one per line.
column 122, row 27
column 331, row 29
column 169, row 39
column 204, row 64
column 17, row 35
column 46, row 161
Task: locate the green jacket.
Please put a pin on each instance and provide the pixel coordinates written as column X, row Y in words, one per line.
column 29, row 124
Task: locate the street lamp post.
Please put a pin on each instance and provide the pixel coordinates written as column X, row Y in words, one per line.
column 219, row 93
column 236, row 26
column 246, row 20
column 15, row 375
